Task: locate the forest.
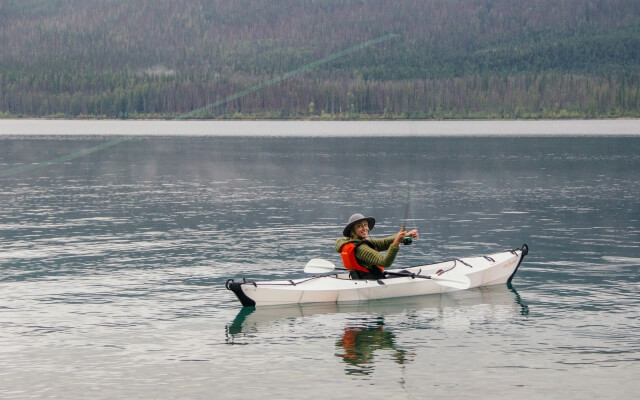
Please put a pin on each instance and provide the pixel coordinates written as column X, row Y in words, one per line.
column 446, row 59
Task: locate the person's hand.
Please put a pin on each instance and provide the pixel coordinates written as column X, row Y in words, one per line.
column 402, row 234
column 413, row 233
column 400, row 237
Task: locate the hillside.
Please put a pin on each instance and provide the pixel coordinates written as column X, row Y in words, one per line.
column 451, row 59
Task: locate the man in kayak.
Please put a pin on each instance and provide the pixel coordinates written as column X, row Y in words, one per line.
column 361, row 254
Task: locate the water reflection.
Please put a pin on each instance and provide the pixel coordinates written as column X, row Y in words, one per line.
column 366, row 333
column 359, row 344
column 524, row 308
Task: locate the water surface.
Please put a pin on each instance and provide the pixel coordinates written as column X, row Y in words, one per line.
column 112, row 266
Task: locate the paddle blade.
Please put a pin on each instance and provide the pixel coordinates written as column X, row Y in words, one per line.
column 319, row 266
column 459, row 282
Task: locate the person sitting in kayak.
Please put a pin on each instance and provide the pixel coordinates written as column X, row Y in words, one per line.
column 361, row 254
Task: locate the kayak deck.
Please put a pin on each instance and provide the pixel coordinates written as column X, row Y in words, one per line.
column 459, row 274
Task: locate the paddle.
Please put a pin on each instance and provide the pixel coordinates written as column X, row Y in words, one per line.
column 321, row 266
column 462, row 283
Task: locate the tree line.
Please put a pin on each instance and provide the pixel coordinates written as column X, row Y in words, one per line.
column 453, row 59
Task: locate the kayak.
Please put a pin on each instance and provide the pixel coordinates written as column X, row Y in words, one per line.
column 447, row 276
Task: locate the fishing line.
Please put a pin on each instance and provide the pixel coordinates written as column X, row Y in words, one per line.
column 113, row 142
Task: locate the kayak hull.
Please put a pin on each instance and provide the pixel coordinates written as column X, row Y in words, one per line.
column 459, row 274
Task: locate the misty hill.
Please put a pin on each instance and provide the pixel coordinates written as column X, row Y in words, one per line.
column 451, row 58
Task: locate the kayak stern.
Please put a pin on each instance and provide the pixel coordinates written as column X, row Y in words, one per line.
column 236, row 288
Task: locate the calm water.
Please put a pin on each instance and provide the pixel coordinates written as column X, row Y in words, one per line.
column 113, row 263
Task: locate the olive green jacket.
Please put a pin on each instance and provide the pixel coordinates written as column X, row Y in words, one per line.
column 368, row 257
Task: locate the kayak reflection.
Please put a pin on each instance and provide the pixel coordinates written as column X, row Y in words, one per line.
column 359, row 343
column 447, row 310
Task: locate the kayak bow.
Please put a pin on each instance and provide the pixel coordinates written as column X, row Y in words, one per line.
column 459, row 274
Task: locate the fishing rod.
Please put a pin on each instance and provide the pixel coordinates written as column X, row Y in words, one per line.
column 407, row 240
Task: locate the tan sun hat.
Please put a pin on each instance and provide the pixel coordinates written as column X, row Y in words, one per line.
column 355, row 218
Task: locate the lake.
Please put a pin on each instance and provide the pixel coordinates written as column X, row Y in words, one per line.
column 117, row 238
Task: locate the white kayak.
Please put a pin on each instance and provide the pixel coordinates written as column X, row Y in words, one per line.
column 448, row 276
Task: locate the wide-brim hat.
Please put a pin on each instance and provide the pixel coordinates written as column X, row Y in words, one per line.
column 355, row 218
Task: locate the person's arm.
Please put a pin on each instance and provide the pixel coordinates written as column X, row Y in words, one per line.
column 395, row 240
column 370, row 257
column 382, row 244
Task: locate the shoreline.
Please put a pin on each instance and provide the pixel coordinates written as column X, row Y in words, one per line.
column 311, row 128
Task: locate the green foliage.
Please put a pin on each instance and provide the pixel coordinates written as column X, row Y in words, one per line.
column 453, row 59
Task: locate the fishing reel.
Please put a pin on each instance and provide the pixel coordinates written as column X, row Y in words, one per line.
column 407, row 241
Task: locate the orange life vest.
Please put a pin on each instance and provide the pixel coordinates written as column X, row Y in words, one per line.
column 348, row 255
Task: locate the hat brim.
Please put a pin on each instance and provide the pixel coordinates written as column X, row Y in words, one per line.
column 347, row 229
